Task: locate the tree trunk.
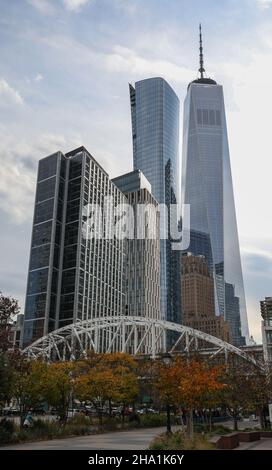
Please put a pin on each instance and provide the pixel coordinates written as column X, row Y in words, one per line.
column 262, row 420
column 101, row 417
column 235, row 423
column 123, row 414
column 210, row 422
column 190, row 424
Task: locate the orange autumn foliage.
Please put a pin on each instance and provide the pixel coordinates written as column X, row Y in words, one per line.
column 188, row 384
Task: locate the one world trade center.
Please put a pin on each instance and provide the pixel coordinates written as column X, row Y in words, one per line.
column 207, row 187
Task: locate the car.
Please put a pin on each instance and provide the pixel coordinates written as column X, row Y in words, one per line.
column 38, row 410
column 9, row 410
column 73, row 412
column 6, row 411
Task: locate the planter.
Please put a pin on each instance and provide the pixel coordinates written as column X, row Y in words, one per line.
column 228, row 441
column 266, row 433
column 249, row 436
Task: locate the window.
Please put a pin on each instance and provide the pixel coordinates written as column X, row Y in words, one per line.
column 47, row 167
column 44, row 211
column 42, row 234
column 39, row 257
column 37, row 281
column 208, row 117
column 46, row 189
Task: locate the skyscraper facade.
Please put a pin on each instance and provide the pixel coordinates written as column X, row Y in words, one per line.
column 142, row 293
column 266, row 311
column 155, row 134
column 207, row 187
column 71, row 276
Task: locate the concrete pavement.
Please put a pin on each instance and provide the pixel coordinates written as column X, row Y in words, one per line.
column 263, row 444
column 124, row 440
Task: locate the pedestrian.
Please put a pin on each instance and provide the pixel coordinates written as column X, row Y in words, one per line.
column 28, row 422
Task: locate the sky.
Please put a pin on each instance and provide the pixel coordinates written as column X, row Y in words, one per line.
column 65, row 66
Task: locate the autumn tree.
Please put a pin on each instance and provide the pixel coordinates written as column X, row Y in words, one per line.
column 106, row 378
column 28, row 381
column 6, row 379
column 58, row 386
column 125, row 385
column 199, row 382
column 167, row 383
column 248, row 389
column 9, row 308
column 188, row 384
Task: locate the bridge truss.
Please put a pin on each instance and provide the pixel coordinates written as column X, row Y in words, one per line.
column 133, row 335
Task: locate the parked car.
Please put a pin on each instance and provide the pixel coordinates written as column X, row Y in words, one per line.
column 38, row 410
column 10, row 411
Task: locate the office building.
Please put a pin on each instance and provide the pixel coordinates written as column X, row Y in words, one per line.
column 207, row 187
column 197, row 296
column 72, row 276
column 266, row 311
column 142, row 296
column 155, row 135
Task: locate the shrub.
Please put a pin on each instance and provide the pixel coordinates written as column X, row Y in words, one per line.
column 149, row 420
column 7, row 430
column 179, row 441
column 79, row 420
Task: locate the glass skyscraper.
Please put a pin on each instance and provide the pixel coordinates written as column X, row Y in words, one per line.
column 155, row 133
column 71, row 277
column 207, row 187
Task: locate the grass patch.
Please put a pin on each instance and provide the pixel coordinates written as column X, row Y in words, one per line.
column 179, row 441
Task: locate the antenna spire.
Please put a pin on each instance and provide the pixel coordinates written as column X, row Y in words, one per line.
column 201, row 59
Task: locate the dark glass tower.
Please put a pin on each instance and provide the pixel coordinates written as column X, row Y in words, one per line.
column 155, row 133
column 71, row 277
column 207, row 187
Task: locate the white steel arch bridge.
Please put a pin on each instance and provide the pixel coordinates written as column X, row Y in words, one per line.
column 134, row 335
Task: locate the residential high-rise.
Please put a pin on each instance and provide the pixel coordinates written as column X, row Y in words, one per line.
column 142, row 293
column 155, row 133
column 266, row 311
column 71, row 276
column 198, row 308
column 207, row 187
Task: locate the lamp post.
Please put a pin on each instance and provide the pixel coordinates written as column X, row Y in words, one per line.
column 166, row 358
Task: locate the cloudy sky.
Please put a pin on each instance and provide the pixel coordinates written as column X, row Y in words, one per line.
column 64, row 72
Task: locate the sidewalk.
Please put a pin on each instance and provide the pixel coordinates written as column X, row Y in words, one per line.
column 263, row 444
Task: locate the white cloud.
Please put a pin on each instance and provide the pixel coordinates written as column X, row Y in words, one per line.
column 18, row 168
column 38, row 77
column 75, row 5
column 9, row 95
column 126, row 60
column 264, row 4
column 120, row 60
column 44, row 7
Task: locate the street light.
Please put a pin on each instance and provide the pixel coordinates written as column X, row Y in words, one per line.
column 166, row 358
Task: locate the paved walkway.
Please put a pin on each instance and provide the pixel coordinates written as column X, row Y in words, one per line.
column 125, row 440
column 263, row 444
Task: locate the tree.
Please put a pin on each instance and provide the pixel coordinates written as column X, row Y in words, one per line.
column 125, row 383
column 105, row 378
column 188, row 384
column 9, row 308
column 199, row 381
column 236, row 395
column 58, row 387
column 6, row 378
column 248, row 389
column 28, row 379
